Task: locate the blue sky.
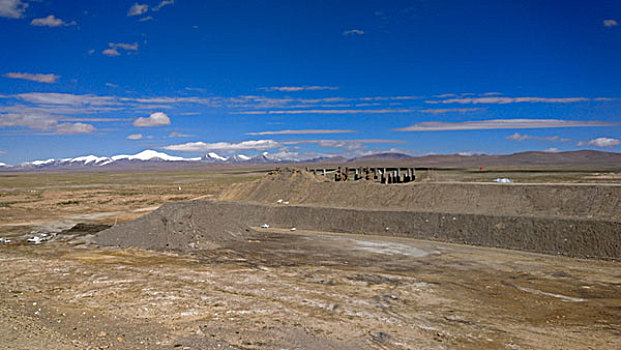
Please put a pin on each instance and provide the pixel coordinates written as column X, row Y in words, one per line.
column 321, row 77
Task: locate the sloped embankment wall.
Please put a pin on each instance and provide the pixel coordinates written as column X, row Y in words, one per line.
column 579, row 201
column 189, row 226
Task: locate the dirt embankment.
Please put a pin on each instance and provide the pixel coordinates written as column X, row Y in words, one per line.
column 580, row 201
column 192, row 226
column 573, row 220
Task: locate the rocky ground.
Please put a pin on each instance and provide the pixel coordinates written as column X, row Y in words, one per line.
column 305, row 290
column 275, row 288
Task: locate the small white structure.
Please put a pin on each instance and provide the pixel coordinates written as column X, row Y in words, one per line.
column 292, row 229
column 265, row 226
column 503, row 180
column 35, row 240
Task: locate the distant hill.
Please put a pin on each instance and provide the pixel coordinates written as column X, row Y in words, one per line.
column 382, row 157
column 585, row 159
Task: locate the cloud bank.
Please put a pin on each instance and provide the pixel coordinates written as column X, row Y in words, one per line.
column 328, row 111
column 503, row 124
column 521, row 137
column 298, row 88
column 506, row 100
column 302, row 132
column 225, row 147
column 43, row 122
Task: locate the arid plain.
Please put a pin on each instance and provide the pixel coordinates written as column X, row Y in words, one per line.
column 281, row 289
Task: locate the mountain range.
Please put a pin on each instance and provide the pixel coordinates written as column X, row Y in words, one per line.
column 151, row 158
column 155, row 158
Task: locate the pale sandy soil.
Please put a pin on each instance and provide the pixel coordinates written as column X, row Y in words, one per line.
column 306, row 290
column 277, row 289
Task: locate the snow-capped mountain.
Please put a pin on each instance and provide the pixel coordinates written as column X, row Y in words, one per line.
column 155, row 158
column 148, row 156
column 213, row 157
column 264, row 157
column 239, row 158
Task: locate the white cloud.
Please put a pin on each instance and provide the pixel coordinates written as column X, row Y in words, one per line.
column 61, row 104
column 552, row 150
column 41, row 78
column 503, row 124
column 177, row 134
column 471, row 153
column 155, row 119
column 137, row 9
column 54, row 98
column 134, row 137
column 111, row 52
column 87, row 119
column 348, row 147
column 12, row 8
column 51, row 21
column 225, row 147
column 353, row 32
column 43, row 121
column 113, row 49
column 130, row 47
column 506, row 100
column 74, row 128
column 329, row 111
column 298, row 88
column 301, row 132
column 450, row 110
column 144, row 19
column 162, row 4
column 36, row 121
column 610, row 23
column 522, row 137
column 262, row 102
column 601, row 142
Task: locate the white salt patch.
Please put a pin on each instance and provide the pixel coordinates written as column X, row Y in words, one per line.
column 559, row 296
